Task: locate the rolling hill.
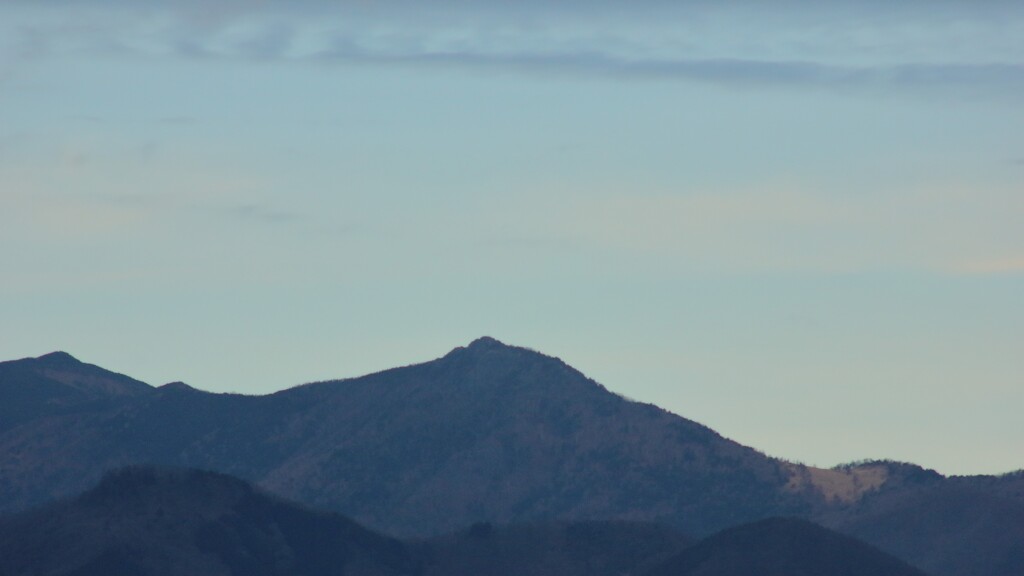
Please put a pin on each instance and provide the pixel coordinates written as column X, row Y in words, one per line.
column 782, row 547
column 163, row 522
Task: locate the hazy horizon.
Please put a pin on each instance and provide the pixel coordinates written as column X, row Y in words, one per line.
column 798, row 224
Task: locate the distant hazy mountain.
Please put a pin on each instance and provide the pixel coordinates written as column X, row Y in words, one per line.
column 153, row 522
column 783, row 547
column 487, row 433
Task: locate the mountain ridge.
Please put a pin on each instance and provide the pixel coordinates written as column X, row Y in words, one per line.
column 487, row 418
column 486, row 433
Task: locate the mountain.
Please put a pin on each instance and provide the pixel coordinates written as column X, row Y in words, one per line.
column 162, row 522
column 57, row 383
column 487, row 433
column 782, row 547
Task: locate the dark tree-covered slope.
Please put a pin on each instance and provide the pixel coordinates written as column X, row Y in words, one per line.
column 148, row 521
column 163, row 522
column 783, row 547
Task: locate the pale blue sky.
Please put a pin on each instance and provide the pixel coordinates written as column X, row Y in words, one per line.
column 801, row 224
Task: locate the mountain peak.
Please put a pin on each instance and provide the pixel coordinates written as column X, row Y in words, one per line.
column 492, row 350
column 177, row 386
column 483, row 345
column 58, row 357
column 486, row 343
column 61, row 375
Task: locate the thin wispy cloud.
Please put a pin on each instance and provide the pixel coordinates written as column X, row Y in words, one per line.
column 807, row 46
column 727, row 71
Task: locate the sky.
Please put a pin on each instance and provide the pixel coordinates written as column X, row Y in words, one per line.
column 798, row 223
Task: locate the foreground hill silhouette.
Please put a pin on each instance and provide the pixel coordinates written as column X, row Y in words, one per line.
column 143, row 521
column 782, row 547
column 155, row 522
column 487, row 433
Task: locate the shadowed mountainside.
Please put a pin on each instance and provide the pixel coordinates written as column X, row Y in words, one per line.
column 143, row 521
column 161, row 522
column 486, row 433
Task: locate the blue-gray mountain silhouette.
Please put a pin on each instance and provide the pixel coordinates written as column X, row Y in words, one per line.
column 487, row 433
